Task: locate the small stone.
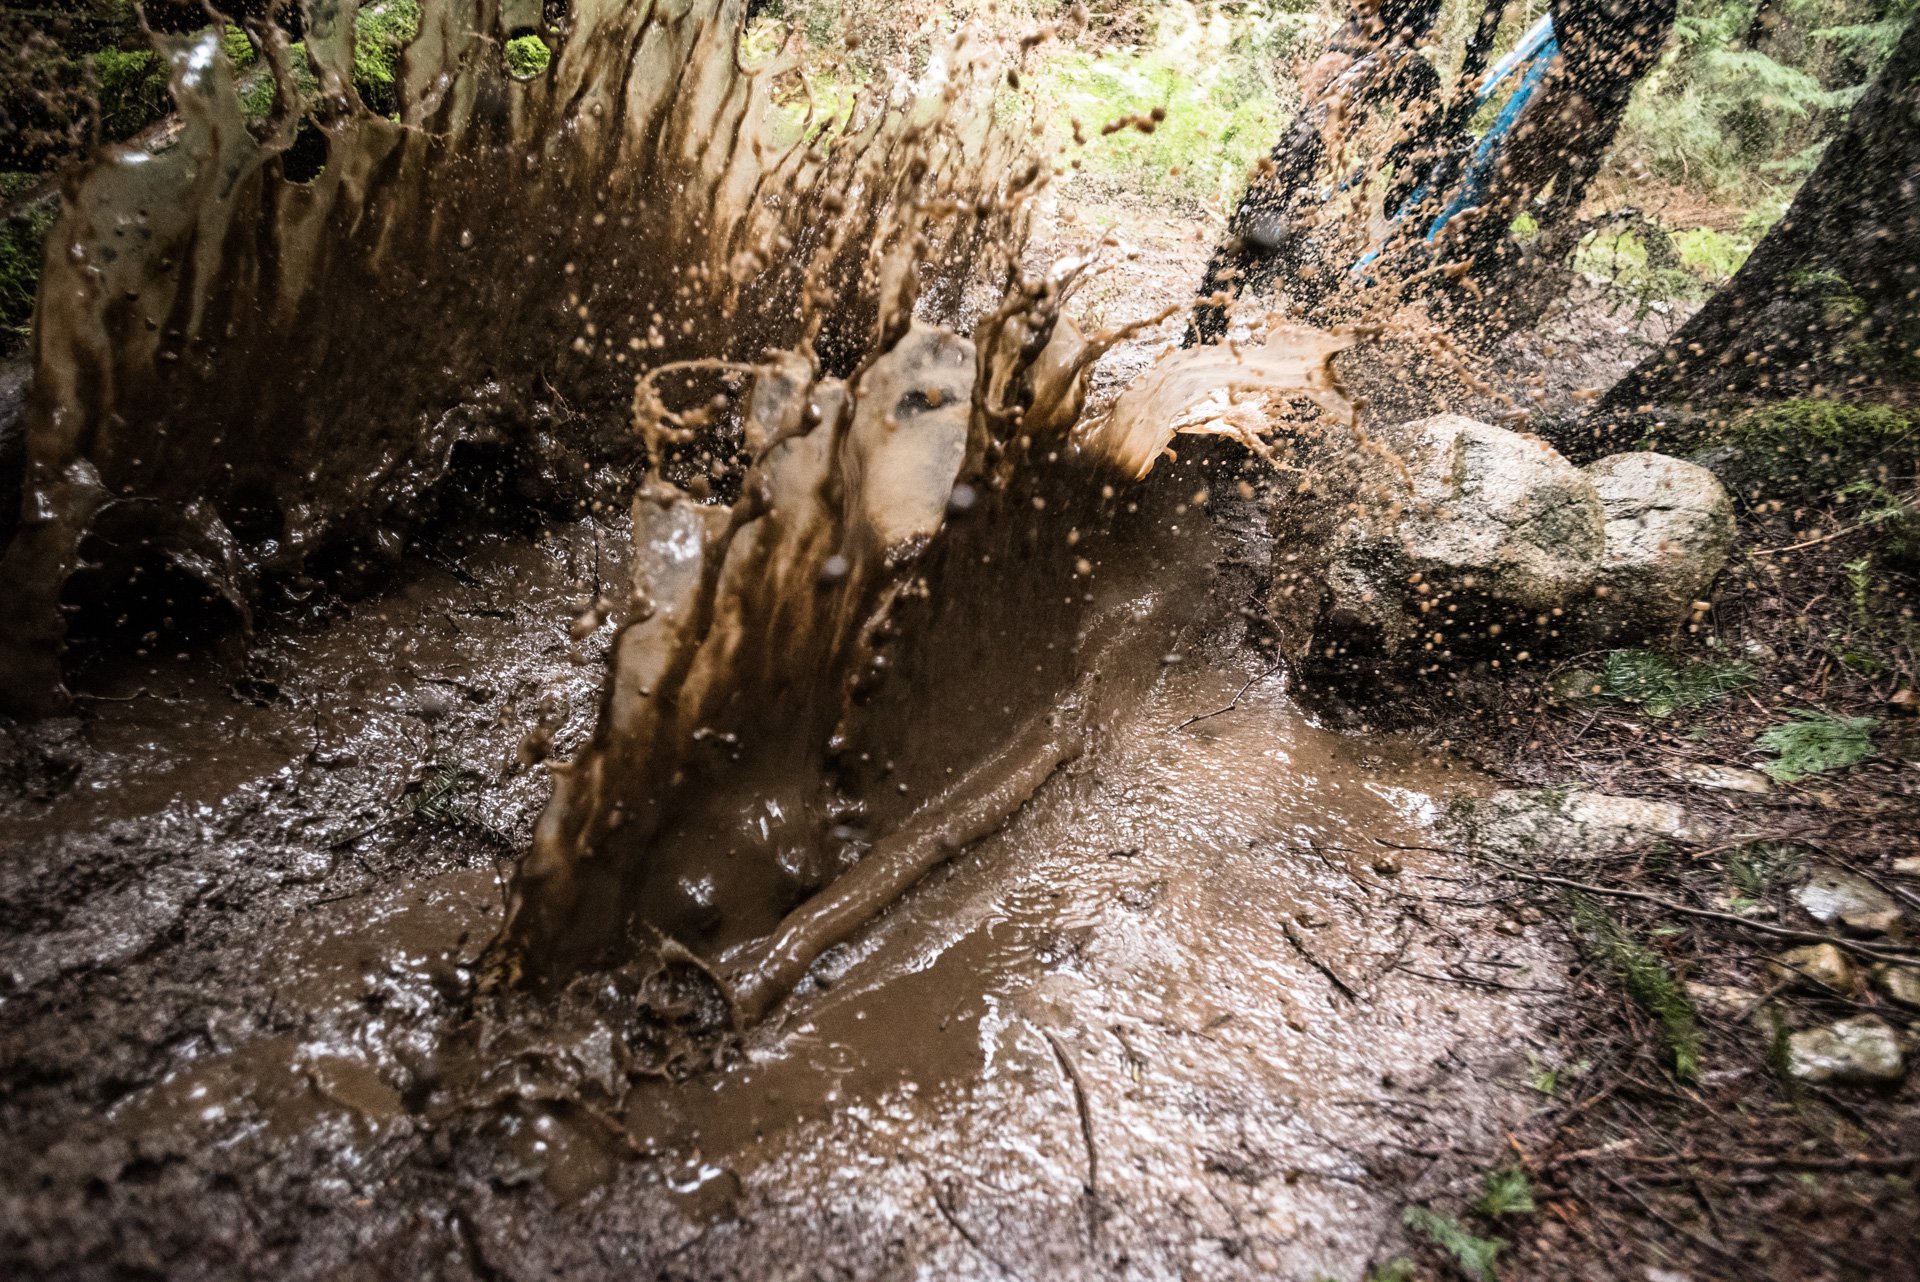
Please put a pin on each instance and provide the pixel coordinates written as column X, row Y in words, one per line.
column 1833, row 895
column 1902, row 983
column 1862, row 1051
column 1822, row 964
column 1908, row 866
column 1726, row 778
column 1724, row 999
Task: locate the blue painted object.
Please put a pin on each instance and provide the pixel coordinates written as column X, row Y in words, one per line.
column 1531, row 59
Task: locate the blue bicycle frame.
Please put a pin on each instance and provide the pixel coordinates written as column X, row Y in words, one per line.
column 1531, row 59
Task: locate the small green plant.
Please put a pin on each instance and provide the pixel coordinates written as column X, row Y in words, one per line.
column 527, row 56
column 1546, row 1077
column 1398, row 1269
column 442, row 795
column 381, row 33
column 1646, row 977
column 1660, row 686
column 1474, row 1254
column 1506, row 1191
column 1815, row 742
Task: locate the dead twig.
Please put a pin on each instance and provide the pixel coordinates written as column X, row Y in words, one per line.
column 1668, row 905
column 1333, row 977
column 1232, row 703
column 1079, row 1086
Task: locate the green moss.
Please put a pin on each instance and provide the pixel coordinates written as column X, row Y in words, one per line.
column 527, row 56
column 1802, row 446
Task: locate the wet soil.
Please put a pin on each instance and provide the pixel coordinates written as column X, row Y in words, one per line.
column 1183, row 1016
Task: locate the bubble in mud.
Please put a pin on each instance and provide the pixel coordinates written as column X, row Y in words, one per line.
column 961, row 500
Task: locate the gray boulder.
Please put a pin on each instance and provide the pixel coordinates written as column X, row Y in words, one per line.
column 1488, row 514
column 1836, row 897
column 1669, row 526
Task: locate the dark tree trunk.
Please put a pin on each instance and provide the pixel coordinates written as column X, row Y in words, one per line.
column 1829, row 302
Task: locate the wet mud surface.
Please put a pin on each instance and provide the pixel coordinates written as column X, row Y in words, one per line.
column 1183, row 1016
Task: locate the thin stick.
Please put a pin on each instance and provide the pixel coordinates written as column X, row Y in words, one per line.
column 1293, row 937
column 1079, row 1086
column 1232, row 703
column 1799, row 936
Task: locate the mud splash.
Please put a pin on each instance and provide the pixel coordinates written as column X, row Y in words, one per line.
column 240, row 377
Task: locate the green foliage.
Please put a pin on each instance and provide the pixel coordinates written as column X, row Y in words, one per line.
column 441, row 798
column 380, row 35
column 1660, row 686
column 1656, row 264
column 527, row 56
column 1741, row 113
column 1475, row 1255
column 1214, row 80
column 1398, row 1269
column 1815, row 742
column 132, row 88
column 21, row 240
column 1646, row 977
column 1506, row 1191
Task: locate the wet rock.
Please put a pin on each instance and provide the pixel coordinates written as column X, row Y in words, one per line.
column 1821, row 964
column 1669, row 525
column 1548, row 821
column 1724, row 778
column 1862, row 1051
column 1902, row 983
column 1491, row 513
column 1834, row 896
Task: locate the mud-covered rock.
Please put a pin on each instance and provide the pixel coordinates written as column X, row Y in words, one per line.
column 1669, row 526
column 1862, row 1051
column 1726, row 1000
column 1548, row 821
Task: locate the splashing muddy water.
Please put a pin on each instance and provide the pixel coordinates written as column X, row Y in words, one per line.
column 239, row 376
column 938, row 883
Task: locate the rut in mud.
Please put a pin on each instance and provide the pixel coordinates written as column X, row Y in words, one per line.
column 935, row 879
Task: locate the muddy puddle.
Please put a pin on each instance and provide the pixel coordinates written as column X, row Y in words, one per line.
column 1183, row 1015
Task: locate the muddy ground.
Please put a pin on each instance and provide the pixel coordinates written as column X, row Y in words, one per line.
column 1188, row 1015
